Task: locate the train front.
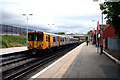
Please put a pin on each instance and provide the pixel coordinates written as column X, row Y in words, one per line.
column 35, row 41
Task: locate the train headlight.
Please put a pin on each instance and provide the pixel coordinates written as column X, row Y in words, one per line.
column 41, row 45
column 29, row 45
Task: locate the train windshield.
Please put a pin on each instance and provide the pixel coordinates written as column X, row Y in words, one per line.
column 35, row 37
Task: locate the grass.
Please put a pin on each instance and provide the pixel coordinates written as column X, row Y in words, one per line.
column 12, row 41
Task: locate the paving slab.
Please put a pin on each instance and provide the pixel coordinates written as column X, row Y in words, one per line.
column 12, row 50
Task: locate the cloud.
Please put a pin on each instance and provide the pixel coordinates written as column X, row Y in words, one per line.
column 66, row 15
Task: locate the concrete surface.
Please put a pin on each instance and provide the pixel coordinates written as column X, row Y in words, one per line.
column 12, row 50
column 82, row 62
column 89, row 64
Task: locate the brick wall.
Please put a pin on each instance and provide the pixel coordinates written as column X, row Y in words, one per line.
column 109, row 32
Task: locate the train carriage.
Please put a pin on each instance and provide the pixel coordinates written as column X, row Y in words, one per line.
column 38, row 40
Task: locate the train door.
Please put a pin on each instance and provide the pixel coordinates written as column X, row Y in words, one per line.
column 58, row 43
column 62, row 41
column 65, row 41
column 70, row 40
column 55, row 41
column 35, row 40
column 51, row 41
column 48, row 41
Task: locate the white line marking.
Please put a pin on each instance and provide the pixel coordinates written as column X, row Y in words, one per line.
column 36, row 75
column 116, row 60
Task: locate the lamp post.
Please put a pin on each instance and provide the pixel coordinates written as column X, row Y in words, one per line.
column 95, row 34
column 50, row 25
column 101, row 35
column 27, row 18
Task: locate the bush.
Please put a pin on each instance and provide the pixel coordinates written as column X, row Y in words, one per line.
column 13, row 41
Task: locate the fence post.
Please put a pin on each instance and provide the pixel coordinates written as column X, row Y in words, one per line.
column 16, row 30
column 11, row 29
column 24, row 32
column 6, row 29
column 20, row 30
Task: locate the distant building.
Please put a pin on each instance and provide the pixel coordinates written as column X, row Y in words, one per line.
column 81, row 36
column 108, row 32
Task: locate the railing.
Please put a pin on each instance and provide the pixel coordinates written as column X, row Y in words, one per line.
column 12, row 30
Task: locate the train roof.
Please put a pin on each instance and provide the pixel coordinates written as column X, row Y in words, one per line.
column 54, row 34
column 67, row 36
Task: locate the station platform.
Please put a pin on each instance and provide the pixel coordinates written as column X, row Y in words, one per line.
column 12, row 50
column 81, row 62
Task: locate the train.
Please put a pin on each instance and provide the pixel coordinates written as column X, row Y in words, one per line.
column 38, row 41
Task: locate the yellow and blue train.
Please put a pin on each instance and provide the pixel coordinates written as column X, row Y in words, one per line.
column 38, row 40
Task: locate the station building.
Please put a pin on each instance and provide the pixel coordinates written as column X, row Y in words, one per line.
column 110, row 39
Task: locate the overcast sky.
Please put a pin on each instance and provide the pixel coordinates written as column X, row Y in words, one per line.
column 69, row 16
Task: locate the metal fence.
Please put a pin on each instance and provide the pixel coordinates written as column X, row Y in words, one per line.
column 114, row 44
column 12, row 30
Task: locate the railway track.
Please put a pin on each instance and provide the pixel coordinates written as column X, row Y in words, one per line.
column 8, row 57
column 10, row 60
column 13, row 61
column 17, row 71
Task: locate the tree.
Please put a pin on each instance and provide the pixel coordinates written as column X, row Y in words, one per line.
column 60, row 33
column 89, row 32
column 112, row 11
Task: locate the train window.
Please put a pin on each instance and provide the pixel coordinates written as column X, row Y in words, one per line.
column 30, row 36
column 39, row 37
column 61, row 39
column 46, row 38
column 54, row 39
column 49, row 39
column 35, row 37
